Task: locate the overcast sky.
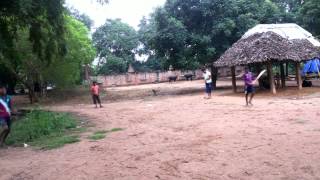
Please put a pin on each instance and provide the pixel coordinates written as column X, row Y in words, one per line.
column 130, row 11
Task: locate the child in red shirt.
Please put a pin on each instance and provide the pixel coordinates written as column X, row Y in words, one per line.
column 95, row 92
column 5, row 115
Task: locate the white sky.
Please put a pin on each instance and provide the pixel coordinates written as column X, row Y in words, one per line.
column 130, row 11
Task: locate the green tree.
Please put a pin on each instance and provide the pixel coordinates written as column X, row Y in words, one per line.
column 309, row 16
column 80, row 51
column 190, row 33
column 114, row 65
column 43, row 20
column 29, row 68
column 30, row 23
column 85, row 19
column 115, row 40
column 289, row 9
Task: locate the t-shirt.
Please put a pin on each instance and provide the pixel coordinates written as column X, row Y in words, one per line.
column 95, row 90
column 248, row 78
column 207, row 77
column 5, row 111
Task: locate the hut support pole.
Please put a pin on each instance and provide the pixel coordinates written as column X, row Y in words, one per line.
column 287, row 69
column 234, row 81
column 283, row 76
column 271, row 79
column 298, row 76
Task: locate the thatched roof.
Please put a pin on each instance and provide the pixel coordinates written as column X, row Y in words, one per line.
column 289, row 31
column 267, row 46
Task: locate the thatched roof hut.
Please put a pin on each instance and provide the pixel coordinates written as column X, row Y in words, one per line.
column 265, row 47
column 269, row 43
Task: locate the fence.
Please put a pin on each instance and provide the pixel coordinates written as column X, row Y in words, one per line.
column 155, row 77
column 144, row 78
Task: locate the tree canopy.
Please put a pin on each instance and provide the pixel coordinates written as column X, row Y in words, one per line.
column 116, row 41
column 190, row 33
column 309, row 14
column 41, row 43
column 85, row 19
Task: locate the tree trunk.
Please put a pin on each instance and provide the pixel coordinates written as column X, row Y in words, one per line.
column 31, row 93
column 234, row 80
column 287, row 69
column 298, row 76
column 11, row 88
column 283, row 76
column 214, row 76
column 271, row 79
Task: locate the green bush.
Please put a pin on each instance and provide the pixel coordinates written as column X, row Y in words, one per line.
column 42, row 128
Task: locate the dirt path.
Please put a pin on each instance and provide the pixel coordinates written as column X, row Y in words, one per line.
column 184, row 137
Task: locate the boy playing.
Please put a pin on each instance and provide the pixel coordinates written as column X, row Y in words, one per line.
column 208, row 82
column 249, row 89
column 95, row 94
column 5, row 115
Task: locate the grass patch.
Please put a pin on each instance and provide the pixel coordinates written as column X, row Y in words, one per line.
column 43, row 129
column 55, row 141
column 116, row 129
column 98, row 135
column 101, row 132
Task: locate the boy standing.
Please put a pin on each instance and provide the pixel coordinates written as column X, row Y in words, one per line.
column 95, row 91
column 5, row 114
column 249, row 89
column 208, row 82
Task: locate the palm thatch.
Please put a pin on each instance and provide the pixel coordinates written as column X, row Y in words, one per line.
column 267, row 47
column 289, row 31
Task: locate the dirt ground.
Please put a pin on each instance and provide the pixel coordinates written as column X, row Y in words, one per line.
column 184, row 136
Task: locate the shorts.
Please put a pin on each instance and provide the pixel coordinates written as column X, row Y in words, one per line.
column 208, row 88
column 96, row 99
column 249, row 90
column 5, row 122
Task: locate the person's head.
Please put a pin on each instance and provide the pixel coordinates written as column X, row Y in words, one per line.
column 204, row 69
column 3, row 90
column 94, row 83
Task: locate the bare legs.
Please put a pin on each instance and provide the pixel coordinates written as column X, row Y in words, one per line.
column 209, row 95
column 4, row 132
column 249, row 100
column 96, row 100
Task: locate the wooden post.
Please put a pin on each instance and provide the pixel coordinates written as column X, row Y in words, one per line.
column 283, row 76
column 234, row 80
column 271, row 79
column 214, row 76
column 287, row 69
column 298, row 76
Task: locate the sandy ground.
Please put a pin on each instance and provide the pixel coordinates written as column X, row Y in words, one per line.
column 185, row 137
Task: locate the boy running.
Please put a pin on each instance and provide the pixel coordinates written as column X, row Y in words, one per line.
column 95, row 91
column 5, row 114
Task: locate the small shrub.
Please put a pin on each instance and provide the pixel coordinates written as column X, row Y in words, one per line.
column 44, row 129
